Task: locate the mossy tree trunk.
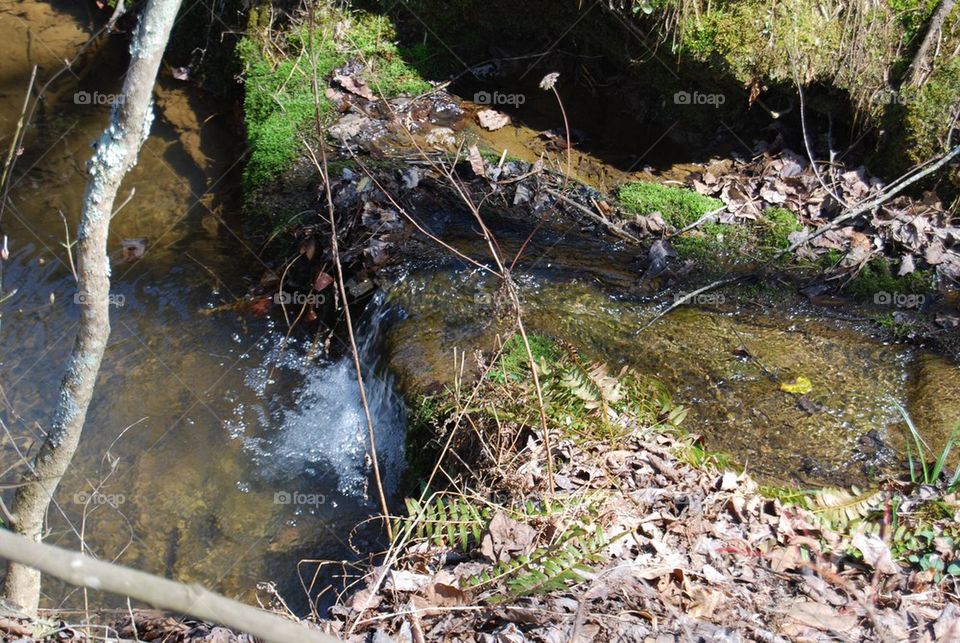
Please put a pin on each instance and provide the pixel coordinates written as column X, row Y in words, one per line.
column 116, row 152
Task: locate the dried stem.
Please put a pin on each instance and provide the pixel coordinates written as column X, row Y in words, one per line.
column 325, row 175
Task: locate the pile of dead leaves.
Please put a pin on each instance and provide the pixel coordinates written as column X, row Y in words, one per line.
column 918, row 233
column 632, row 543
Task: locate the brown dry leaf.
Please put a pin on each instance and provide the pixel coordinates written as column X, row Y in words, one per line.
column 354, row 85
column 705, row 602
column 492, row 120
column 773, row 196
column 820, row 616
column 875, row 553
column 651, row 223
column 507, row 537
column 444, row 595
column 476, row 160
column 783, row 559
column 364, row 599
column 860, row 250
column 322, row 281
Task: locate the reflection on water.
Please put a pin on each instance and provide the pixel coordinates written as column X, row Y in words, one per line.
column 225, row 459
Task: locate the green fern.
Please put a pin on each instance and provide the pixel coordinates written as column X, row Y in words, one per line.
column 548, row 568
column 592, row 384
column 452, row 522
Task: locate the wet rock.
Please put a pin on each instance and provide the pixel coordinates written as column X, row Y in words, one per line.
column 350, row 126
column 934, row 401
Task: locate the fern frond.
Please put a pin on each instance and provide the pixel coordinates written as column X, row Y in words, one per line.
column 546, row 569
column 841, row 507
column 452, row 522
column 592, row 384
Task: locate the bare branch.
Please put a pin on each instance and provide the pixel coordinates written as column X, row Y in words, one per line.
column 83, row 571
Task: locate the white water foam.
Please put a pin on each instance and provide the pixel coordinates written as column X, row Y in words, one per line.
column 318, row 427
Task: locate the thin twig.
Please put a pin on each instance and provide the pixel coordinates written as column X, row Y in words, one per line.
column 612, row 227
column 709, row 216
column 679, row 301
column 324, row 173
column 900, row 185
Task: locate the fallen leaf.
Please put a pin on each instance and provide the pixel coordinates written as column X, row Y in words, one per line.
column 875, row 553
column 444, row 595
column 820, row 616
column 800, row 386
column 260, row 307
column 354, row 85
column 506, row 537
column 322, row 281
column 491, row 119
column 906, row 266
column 476, row 160
column 405, row 581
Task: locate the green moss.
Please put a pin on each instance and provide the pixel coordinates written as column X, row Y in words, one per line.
column 888, row 321
column 679, row 206
column 714, row 244
column 775, row 226
column 877, row 277
column 279, row 101
column 830, row 259
column 930, row 111
column 912, row 14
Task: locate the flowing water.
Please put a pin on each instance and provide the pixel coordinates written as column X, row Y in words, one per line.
column 214, row 452
column 220, row 451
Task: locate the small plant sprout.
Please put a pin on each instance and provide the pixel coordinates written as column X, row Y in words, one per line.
column 549, row 83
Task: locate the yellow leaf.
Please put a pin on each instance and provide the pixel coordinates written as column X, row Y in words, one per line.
column 800, row 386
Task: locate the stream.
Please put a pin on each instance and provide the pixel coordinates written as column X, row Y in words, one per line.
column 214, row 451
column 219, row 450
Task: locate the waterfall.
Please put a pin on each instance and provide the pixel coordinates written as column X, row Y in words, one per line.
column 311, row 422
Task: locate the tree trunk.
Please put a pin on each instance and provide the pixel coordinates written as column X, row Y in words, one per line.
column 116, row 152
column 918, row 66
